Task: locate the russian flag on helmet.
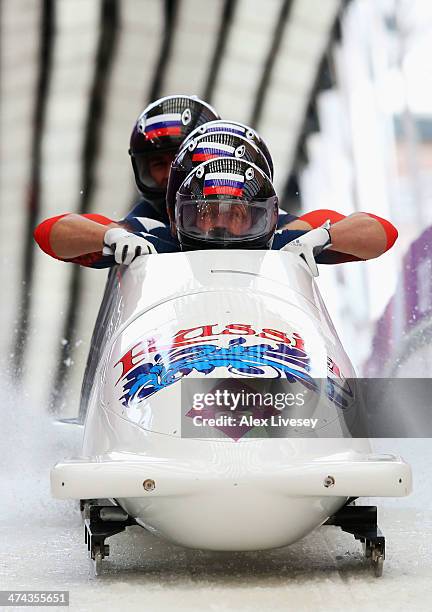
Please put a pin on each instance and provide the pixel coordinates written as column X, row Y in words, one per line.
column 209, row 150
column 223, row 183
column 167, row 124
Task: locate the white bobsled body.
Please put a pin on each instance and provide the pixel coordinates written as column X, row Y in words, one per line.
column 171, row 317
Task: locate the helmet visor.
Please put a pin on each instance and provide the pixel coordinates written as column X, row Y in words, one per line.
column 225, row 220
column 153, row 170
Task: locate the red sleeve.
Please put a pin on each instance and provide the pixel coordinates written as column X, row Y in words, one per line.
column 318, row 217
column 43, row 231
column 390, row 230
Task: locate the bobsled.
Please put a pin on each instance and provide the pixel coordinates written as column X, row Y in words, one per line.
column 228, row 315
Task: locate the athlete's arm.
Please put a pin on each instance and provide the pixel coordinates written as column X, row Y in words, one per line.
column 75, row 235
column 75, row 242
column 81, row 239
column 357, row 237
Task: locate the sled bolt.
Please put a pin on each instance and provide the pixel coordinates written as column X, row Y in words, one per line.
column 149, row 484
column 329, row 481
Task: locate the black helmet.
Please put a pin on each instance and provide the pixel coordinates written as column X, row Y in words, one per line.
column 226, row 203
column 233, row 127
column 205, row 147
column 161, row 128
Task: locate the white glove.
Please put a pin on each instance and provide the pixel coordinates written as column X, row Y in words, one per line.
column 125, row 246
column 310, row 245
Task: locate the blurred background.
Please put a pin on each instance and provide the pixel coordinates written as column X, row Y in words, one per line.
column 340, row 90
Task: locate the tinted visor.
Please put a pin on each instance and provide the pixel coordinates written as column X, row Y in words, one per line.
column 153, row 170
column 225, row 220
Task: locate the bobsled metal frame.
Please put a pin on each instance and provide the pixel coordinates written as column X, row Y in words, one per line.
column 360, row 521
column 97, row 530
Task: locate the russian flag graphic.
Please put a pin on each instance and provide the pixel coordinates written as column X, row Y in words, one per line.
column 223, row 183
column 209, row 150
column 168, row 124
column 226, row 127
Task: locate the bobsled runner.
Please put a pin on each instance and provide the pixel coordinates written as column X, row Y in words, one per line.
column 221, row 314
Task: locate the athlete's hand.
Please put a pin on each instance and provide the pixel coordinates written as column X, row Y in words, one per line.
column 310, row 245
column 125, row 246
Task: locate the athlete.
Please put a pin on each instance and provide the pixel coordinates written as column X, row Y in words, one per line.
column 156, row 137
column 99, row 242
column 163, row 127
column 208, row 146
column 235, row 128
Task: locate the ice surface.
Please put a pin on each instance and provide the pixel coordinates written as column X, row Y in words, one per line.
column 42, row 544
